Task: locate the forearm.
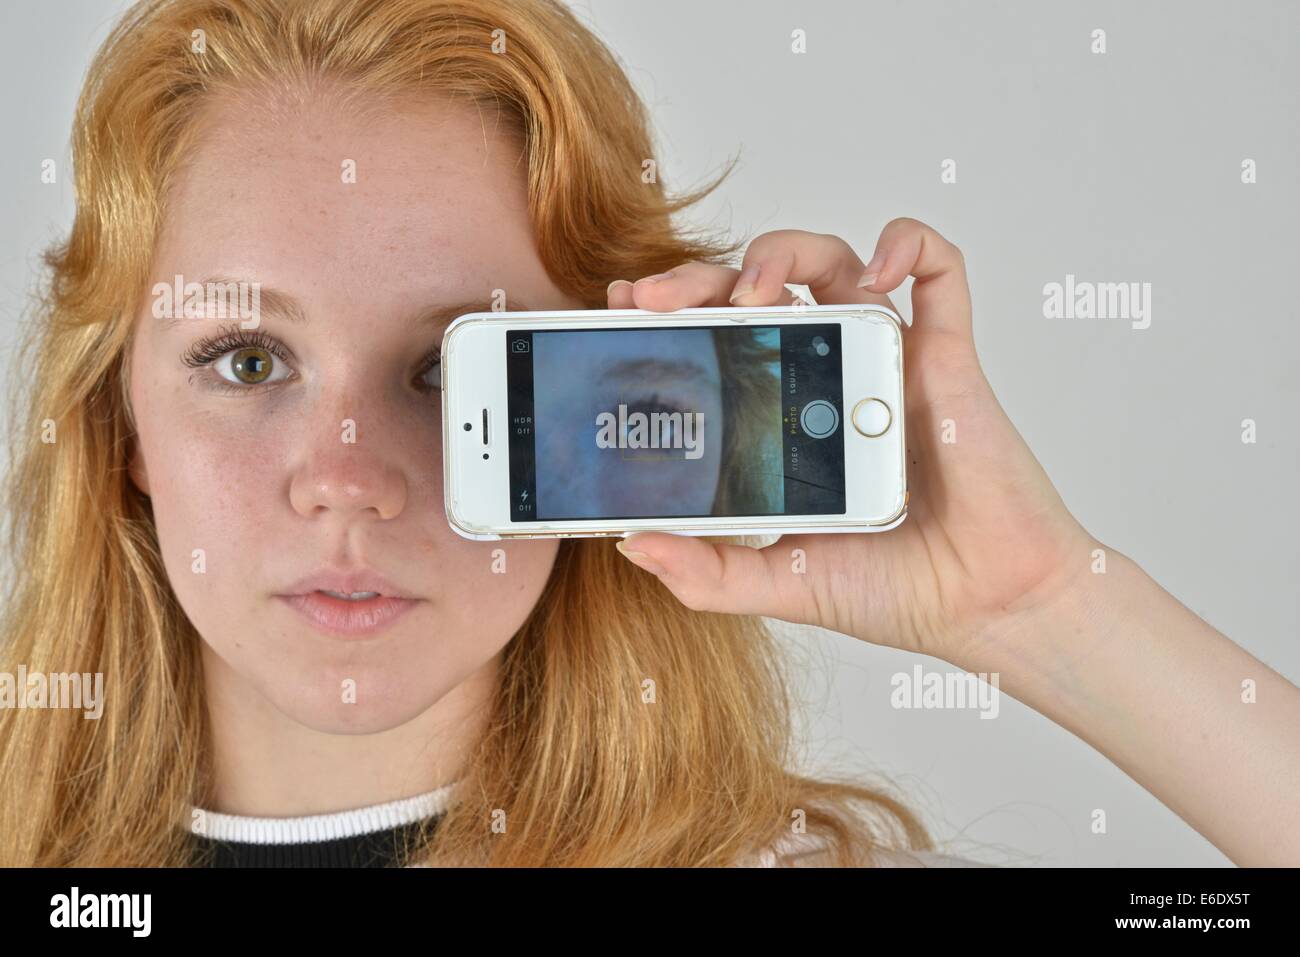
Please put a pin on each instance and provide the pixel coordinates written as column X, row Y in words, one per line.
column 1126, row 667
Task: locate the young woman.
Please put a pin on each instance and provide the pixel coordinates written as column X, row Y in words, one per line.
column 185, row 492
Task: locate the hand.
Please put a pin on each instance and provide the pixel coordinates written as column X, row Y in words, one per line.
column 986, row 535
column 992, row 573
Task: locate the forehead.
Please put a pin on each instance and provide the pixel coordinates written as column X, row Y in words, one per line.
column 407, row 188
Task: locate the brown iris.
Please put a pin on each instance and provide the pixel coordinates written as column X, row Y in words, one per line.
column 251, row 364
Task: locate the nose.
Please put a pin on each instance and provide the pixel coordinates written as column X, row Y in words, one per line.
column 348, row 480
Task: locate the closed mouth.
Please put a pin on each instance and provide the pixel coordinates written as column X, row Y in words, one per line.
column 354, row 614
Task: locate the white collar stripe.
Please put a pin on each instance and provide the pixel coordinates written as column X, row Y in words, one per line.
column 244, row 829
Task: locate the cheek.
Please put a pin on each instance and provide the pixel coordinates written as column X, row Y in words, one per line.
column 215, row 493
column 491, row 585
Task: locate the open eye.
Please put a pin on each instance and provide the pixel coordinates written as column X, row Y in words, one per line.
column 243, row 360
column 431, row 371
column 250, row 365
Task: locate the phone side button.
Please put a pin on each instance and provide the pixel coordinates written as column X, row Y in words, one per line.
column 872, row 417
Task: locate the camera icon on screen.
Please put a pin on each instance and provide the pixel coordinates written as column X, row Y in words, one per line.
column 519, row 345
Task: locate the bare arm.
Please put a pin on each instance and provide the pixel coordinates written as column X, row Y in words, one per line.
column 1207, row 728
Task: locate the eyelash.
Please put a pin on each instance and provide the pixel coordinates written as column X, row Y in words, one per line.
column 203, row 353
column 655, row 404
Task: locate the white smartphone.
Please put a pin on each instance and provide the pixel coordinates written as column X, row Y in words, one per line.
column 706, row 421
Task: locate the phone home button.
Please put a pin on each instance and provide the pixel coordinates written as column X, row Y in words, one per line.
column 872, row 417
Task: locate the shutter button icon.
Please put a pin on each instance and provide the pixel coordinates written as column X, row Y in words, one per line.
column 819, row 419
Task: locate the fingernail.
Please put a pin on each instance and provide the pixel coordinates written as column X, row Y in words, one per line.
column 642, row 560
column 656, row 277
column 872, row 270
column 746, row 283
column 610, row 287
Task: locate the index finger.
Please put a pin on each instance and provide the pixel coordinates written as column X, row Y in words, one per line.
column 940, row 294
column 823, row 262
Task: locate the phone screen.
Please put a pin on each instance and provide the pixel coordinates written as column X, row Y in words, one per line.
column 689, row 421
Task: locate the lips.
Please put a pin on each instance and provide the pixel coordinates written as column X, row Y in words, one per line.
column 320, row 599
column 357, row 596
column 348, row 582
column 348, row 618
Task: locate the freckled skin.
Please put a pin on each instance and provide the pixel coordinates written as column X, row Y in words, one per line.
column 263, row 481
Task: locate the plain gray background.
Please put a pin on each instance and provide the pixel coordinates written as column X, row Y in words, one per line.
column 1118, row 167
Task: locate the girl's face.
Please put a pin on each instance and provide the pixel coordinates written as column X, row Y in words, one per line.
column 312, row 443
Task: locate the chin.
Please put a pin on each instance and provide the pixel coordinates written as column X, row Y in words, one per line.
column 329, row 715
column 369, row 694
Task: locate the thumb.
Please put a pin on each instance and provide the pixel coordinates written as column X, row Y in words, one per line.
column 734, row 579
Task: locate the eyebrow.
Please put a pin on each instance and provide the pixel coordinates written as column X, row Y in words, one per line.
column 660, row 370
column 279, row 304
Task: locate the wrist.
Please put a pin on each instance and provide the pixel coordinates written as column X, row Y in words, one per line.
column 1040, row 648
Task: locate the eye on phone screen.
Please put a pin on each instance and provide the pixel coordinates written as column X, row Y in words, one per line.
column 678, row 422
